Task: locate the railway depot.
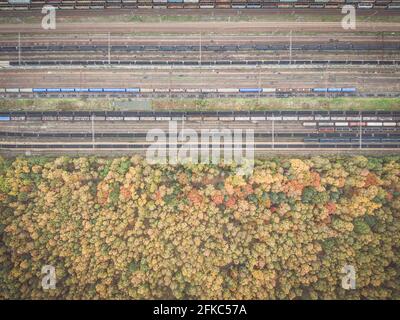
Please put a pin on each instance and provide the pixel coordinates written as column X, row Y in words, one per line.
column 178, row 150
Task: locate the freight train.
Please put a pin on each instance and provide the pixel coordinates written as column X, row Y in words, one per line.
column 196, row 4
column 178, row 90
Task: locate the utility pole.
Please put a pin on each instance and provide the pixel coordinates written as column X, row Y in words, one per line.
column 290, row 47
column 93, row 139
column 273, row 131
column 259, row 84
column 326, row 81
column 360, row 130
column 19, row 48
column 200, row 47
column 109, row 49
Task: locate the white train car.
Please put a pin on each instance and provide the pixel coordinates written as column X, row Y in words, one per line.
column 228, row 90
column 353, row 118
column 322, row 118
column 374, row 124
column 25, row 90
column 193, row 90
column 365, row 5
column 177, row 90
column 147, row 118
column 224, row 118
column 209, row 90
column 257, row 118
column 146, row 90
column 82, row 118
column 309, row 124
column 19, row 1
column 65, row 118
column 275, row 118
column 114, row 118
column 306, row 118
column 17, row 118
column 389, row 124
column 269, row 90
column 292, row 118
column 161, row 90
column 341, row 124
column 12, row 90
column 49, row 118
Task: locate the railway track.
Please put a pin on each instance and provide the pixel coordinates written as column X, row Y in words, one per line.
column 205, row 81
column 205, row 47
column 143, row 147
column 127, row 130
column 47, row 63
column 197, row 27
column 278, row 115
column 258, row 5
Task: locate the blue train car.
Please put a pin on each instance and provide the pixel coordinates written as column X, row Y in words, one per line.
column 38, row 90
column 174, row 1
column 311, row 140
column 114, row 90
column 67, row 89
column 319, row 89
column 349, row 89
column 250, row 90
column 367, row 140
column 4, row 118
column 334, row 140
column 334, row 89
column 95, row 89
column 133, row 90
column 81, row 90
column 53, row 90
column 391, row 140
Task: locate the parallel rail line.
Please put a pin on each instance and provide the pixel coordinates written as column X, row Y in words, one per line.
column 217, row 48
column 144, row 134
column 14, row 63
column 142, row 146
column 301, row 115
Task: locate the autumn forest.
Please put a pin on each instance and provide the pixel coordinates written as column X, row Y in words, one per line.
column 119, row 228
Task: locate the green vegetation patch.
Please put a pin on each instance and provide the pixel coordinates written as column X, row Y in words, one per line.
column 311, row 103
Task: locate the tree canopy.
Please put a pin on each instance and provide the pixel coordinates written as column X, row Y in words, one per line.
column 123, row 229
